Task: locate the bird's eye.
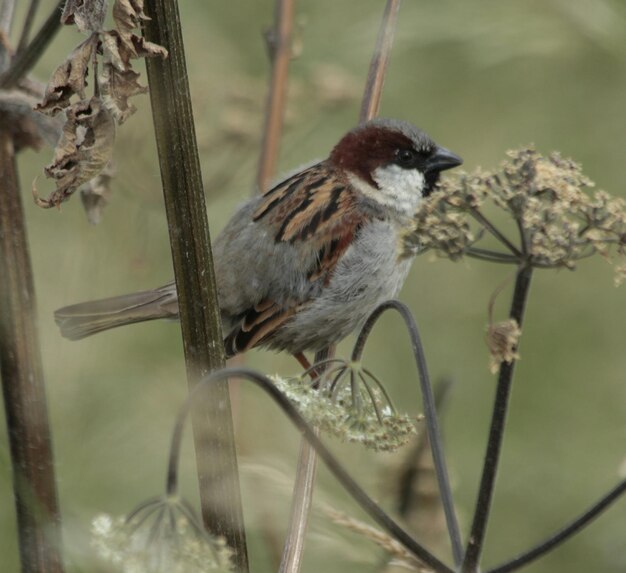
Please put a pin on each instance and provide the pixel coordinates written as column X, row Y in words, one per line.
column 406, row 157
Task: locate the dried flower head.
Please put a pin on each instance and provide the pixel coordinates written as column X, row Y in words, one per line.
column 502, row 340
column 163, row 534
column 351, row 405
column 558, row 219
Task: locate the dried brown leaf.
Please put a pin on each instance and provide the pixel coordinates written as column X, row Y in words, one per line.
column 145, row 49
column 96, row 193
column 115, row 89
column 69, row 78
column 127, row 15
column 83, row 151
column 88, row 15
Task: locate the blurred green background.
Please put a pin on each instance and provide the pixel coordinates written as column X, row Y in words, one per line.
column 481, row 76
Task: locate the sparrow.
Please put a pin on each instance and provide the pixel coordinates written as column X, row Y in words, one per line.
column 302, row 266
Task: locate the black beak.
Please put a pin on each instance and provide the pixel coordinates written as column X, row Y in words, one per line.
column 441, row 160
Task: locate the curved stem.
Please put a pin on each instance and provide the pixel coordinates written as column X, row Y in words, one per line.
column 496, row 434
column 430, row 413
column 335, row 467
column 564, row 534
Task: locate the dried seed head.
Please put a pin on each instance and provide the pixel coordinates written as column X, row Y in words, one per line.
column 162, row 535
column 502, row 340
column 341, row 413
column 550, row 201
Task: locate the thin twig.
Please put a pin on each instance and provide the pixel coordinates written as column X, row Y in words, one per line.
column 277, row 96
column 564, row 534
column 195, row 278
column 495, row 232
column 496, row 433
column 379, row 62
column 28, row 24
column 334, row 466
column 25, row 60
column 491, row 256
column 430, row 413
column 35, row 494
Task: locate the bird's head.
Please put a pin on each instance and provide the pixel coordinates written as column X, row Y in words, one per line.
column 392, row 162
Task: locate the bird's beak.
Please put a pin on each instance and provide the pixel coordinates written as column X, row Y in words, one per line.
column 441, row 160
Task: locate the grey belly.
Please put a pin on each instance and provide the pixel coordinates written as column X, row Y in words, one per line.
column 368, row 274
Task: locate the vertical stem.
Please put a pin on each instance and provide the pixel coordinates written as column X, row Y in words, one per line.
column 195, row 279
column 302, row 497
column 304, row 485
column 280, row 50
column 380, row 59
column 496, row 433
column 39, row 527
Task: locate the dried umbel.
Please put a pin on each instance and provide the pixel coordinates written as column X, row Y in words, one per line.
column 163, row 534
column 350, row 404
column 559, row 221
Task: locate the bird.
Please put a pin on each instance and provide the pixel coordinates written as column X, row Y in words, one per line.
column 301, row 266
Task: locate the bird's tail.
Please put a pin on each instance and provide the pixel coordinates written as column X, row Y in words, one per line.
column 84, row 319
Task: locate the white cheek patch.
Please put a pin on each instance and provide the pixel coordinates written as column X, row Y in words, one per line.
column 400, row 188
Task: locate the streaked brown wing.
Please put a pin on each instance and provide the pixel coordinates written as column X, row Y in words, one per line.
column 316, row 206
column 258, row 324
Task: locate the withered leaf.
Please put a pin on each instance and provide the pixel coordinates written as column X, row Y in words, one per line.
column 145, row 49
column 96, row 193
column 127, row 15
column 88, row 15
column 115, row 89
column 83, row 151
column 69, row 78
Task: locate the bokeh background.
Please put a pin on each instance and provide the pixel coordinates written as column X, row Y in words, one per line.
column 481, row 76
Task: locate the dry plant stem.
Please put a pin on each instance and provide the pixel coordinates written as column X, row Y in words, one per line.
column 564, row 534
column 28, row 24
column 380, row 59
column 430, row 413
column 335, row 467
column 25, row 60
column 38, row 518
column 496, row 433
column 302, row 497
column 303, row 487
column 275, row 109
column 195, row 280
column 487, row 224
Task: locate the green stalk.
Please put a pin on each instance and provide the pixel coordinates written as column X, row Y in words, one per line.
column 195, row 279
